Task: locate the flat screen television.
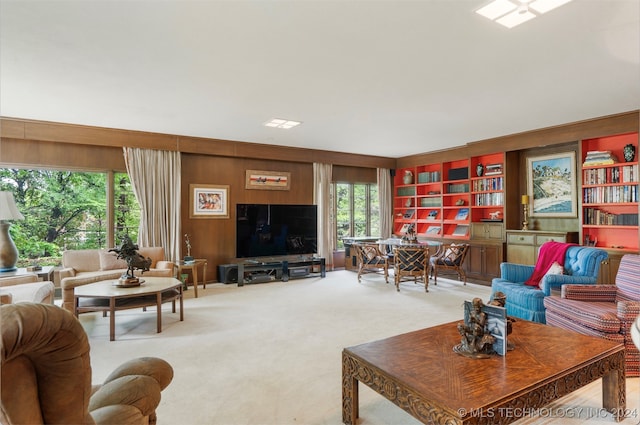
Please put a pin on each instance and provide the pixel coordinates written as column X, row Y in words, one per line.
column 264, row 230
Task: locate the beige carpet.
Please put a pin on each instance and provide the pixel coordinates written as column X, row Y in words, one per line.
column 271, row 353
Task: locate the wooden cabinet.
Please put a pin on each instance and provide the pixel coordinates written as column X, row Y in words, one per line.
column 483, row 260
column 609, row 267
column 610, row 193
column 487, row 231
column 523, row 245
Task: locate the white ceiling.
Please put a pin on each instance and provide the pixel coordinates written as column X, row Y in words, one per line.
column 388, row 78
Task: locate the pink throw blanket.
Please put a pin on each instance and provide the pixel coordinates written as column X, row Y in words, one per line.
column 550, row 252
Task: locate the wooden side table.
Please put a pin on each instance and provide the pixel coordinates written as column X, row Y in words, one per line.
column 45, row 273
column 193, row 266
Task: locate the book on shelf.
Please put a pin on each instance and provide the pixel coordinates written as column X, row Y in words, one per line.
column 431, row 202
column 461, row 230
column 492, row 169
column 409, row 214
column 462, row 214
column 429, row 177
column 404, row 228
column 599, row 158
column 458, row 188
column 433, row 230
column 433, row 214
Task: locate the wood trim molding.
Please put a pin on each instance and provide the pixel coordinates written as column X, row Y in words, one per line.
column 15, row 128
column 626, row 122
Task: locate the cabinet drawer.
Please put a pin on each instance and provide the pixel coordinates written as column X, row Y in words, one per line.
column 540, row 239
column 514, row 239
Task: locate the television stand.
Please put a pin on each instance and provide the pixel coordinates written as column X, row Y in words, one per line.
column 267, row 269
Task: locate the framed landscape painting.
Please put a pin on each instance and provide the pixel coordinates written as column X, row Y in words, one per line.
column 208, row 201
column 551, row 184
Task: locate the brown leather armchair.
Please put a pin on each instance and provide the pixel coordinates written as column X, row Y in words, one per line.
column 46, row 374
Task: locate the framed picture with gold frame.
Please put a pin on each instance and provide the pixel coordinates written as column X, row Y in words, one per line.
column 208, row 201
column 267, row 180
column 551, row 185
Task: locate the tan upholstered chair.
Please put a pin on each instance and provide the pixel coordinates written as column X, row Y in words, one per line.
column 46, row 374
column 26, row 288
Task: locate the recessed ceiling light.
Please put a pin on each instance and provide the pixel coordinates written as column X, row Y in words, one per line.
column 543, row 6
column 512, row 13
column 515, row 18
column 496, row 9
column 280, row 123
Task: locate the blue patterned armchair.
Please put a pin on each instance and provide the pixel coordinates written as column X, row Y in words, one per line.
column 581, row 266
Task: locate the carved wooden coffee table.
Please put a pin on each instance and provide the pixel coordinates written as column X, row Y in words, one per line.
column 420, row 373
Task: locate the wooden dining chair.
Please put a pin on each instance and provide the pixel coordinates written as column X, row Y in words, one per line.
column 411, row 263
column 450, row 259
column 372, row 260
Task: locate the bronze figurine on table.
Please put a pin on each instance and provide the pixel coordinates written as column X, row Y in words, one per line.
column 129, row 252
column 476, row 341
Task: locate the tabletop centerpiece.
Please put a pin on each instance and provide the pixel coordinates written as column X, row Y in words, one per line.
column 128, row 251
column 485, row 328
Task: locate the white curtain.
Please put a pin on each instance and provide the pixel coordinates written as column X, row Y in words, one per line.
column 385, row 197
column 322, row 198
column 155, row 178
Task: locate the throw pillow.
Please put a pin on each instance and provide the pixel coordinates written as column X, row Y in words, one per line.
column 555, row 269
column 452, row 251
column 109, row 261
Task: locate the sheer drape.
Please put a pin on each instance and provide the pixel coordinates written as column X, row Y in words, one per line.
column 385, row 197
column 155, row 178
column 322, row 198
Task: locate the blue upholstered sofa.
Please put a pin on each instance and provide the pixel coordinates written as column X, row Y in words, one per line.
column 581, row 266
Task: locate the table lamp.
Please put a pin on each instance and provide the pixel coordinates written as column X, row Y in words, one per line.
column 525, row 206
column 8, row 250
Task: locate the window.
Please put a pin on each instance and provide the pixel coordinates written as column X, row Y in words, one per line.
column 357, row 210
column 68, row 210
column 126, row 209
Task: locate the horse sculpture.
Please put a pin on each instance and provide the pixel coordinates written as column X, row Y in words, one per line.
column 128, row 252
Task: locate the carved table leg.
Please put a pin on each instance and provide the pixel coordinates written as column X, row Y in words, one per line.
column 614, row 396
column 349, row 391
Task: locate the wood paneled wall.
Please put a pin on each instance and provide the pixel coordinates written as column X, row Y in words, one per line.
column 14, row 128
column 28, row 143
column 43, row 154
column 36, row 144
column 215, row 238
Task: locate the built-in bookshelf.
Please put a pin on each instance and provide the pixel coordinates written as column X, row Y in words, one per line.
column 444, row 199
column 487, row 188
column 609, row 189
